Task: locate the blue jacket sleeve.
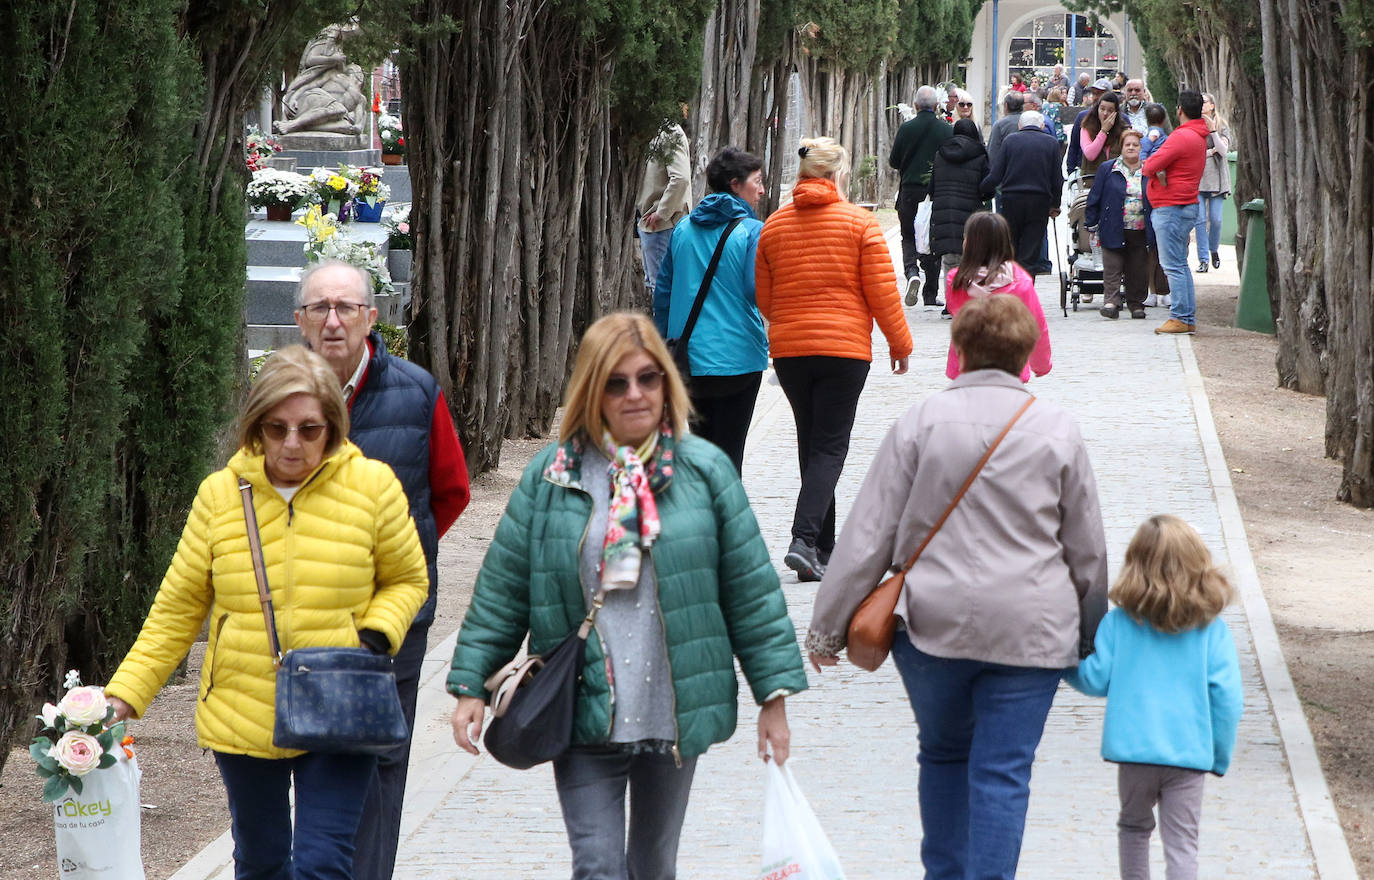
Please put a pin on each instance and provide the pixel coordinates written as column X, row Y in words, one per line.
column 1225, row 693
column 750, row 256
column 994, row 176
column 1074, row 156
column 1093, row 209
column 1094, row 674
column 663, row 291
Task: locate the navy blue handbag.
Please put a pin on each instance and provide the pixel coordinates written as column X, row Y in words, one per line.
column 330, row 700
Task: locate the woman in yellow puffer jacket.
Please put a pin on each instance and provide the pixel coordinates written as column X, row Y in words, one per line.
column 345, row 568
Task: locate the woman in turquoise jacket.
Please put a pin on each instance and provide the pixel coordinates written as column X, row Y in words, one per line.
column 728, row 348
column 629, row 505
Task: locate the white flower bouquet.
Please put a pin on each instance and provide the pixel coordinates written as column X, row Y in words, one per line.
column 74, row 740
column 271, row 186
column 328, row 242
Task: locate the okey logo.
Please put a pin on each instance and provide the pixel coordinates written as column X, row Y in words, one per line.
column 72, row 808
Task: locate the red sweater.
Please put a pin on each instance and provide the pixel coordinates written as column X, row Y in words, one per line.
column 1182, row 159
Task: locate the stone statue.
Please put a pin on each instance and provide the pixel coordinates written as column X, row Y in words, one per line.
column 326, row 97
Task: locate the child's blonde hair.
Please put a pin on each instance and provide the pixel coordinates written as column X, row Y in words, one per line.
column 1168, row 579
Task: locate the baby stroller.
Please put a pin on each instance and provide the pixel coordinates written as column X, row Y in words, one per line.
column 1083, row 280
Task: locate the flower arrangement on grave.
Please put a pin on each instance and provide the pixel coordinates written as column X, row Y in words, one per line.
column 328, row 242
column 389, row 131
column 74, row 741
column 397, row 226
column 370, row 186
column 334, row 189
column 258, row 147
column 273, row 188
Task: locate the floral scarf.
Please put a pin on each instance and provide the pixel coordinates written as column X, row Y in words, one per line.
column 636, row 475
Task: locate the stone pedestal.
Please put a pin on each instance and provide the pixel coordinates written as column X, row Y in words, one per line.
column 315, row 150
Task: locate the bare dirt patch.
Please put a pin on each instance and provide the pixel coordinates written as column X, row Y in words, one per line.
column 185, row 801
column 1314, row 554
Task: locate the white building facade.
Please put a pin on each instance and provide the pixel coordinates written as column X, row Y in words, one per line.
column 1030, row 37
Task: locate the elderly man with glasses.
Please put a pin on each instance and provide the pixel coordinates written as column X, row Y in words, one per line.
column 397, row 414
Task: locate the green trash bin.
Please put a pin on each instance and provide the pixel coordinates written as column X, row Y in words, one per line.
column 1252, row 312
column 1228, row 210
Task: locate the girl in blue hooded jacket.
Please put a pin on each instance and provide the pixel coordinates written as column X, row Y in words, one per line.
column 1166, row 663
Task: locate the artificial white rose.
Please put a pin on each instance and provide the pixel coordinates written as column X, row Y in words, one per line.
column 83, row 706
column 78, row 752
column 49, row 716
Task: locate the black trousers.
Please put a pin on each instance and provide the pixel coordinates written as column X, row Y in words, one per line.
column 724, row 407
column 379, row 830
column 909, row 200
column 824, row 394
column 1028, row 216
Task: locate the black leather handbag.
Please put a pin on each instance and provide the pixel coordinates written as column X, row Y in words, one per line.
column 534, row 700
column 329, row 700
column 678, row 346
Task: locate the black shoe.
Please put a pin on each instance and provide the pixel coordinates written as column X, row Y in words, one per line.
column 1201, row 266
column 1138, row 312
column 805, row 561
column 1216, row 260
column 1109, row 311
column 944, row 313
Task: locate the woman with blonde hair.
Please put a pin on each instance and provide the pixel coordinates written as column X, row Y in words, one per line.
column 823, row 275
column 346, row 569
column 1214, row 186
column 1167, row 664
column 629, row 512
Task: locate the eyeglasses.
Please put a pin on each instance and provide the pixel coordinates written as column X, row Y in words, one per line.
column 649, row 380
column 965, row 103
column 277, row 432
column 318, row 313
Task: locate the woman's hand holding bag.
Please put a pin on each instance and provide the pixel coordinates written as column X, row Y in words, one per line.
column 469, row 711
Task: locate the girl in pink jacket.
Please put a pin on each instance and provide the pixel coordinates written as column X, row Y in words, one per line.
column 987, row 267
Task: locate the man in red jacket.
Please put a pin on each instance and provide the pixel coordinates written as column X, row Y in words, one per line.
column 1172, row 174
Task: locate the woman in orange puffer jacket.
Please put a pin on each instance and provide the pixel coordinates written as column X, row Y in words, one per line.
column 822, row 277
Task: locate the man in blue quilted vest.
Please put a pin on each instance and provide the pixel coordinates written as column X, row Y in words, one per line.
column 398, row 415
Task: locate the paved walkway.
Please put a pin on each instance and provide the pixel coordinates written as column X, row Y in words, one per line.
column 1139, row 401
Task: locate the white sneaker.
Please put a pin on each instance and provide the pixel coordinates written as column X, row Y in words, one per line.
column 1166, row 300
column 1151, row 300
column 913, row 290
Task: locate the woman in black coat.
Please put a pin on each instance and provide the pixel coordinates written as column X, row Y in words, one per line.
column 960, row 166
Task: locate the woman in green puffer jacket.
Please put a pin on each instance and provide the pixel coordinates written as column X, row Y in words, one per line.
column 627, row 502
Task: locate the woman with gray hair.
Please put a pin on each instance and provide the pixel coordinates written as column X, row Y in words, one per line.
column 1001, row 600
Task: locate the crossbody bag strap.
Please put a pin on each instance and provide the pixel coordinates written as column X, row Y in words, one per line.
column 706, row 283
column 590, row 620
column 973, row 475
column 269, row 616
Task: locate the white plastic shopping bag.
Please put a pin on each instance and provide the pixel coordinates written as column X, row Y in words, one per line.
column 98, row 834
column 923, row 227
column 794, row 846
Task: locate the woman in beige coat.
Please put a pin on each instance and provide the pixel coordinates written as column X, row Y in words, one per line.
column 1005, row 596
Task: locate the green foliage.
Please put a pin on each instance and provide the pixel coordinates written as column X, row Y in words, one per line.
column 656, row 46
column 851, row 34
column 933, row 32
column 394, row 337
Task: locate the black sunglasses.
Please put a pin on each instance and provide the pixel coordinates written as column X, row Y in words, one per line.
column 649, row 380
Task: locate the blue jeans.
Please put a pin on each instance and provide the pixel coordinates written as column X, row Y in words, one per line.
column 652, row 246
column 978, row 727
column 1173, row 224
column 1209, row 207
column 329, row 800
column 591, row 785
